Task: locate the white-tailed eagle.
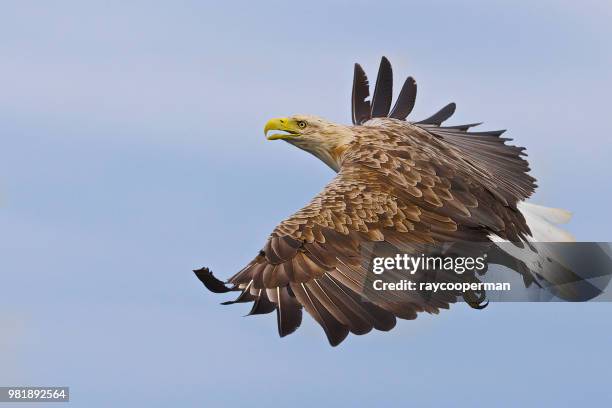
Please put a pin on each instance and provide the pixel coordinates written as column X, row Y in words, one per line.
column 400, row 183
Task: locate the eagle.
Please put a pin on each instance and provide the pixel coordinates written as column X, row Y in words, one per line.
column 399, row 183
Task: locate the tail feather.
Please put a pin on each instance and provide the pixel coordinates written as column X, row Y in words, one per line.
column 572, row 272
column 542, row 222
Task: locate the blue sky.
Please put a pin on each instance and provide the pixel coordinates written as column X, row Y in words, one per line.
column 133, row 152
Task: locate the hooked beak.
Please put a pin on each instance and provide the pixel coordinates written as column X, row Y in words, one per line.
column 282, row 124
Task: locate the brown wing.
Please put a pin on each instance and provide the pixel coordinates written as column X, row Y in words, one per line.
column 472, row 177
column 317, row 259
column 487, row 151
column 504, row 164
column 314, row 259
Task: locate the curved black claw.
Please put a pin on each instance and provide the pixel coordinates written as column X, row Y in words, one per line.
column 476, row 299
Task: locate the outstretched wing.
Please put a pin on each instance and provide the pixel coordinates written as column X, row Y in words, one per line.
column 487, row 150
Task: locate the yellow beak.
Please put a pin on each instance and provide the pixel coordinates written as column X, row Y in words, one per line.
column 283, row 124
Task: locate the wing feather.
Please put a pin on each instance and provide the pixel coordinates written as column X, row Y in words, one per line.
column 440, row 116
column 405, row 101
column 383, row 90
column 288, row 312
column 360, row 107
column 335, row 331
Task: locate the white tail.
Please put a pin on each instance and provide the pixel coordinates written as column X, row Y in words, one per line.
column 543, row 221
column 573, row 272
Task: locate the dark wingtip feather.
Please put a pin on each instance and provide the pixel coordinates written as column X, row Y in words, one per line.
column 337, row 339
column 405, row 101
column 244, row 297
column 334, row 330
column 464, row 127
column 208, row 279
column 496, row 133
column 360, row 108
column 262, row 305
column 288, row 313
column 383, row 90
column 440, row 116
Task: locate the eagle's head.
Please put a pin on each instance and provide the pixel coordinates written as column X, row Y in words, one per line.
column 324, row 139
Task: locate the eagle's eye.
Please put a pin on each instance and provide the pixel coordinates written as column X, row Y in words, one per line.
column 301, row 124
